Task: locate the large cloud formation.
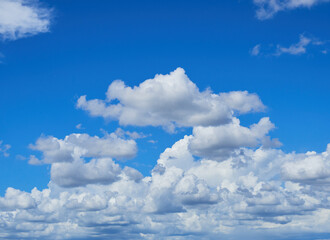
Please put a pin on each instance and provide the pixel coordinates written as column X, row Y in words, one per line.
column 22, row 18
column 222, row 181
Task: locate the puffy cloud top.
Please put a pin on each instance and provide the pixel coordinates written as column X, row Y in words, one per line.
column 169, row 101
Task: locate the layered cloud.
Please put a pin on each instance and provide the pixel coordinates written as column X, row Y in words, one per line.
column 268, row 8
column 22, row 18
column 223, row 180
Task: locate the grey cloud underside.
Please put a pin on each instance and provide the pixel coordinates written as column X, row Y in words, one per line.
column 223, row 181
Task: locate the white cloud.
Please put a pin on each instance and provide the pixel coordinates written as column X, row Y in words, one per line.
column 219, row 142
column 4, row 149
column 133, row 135
column 181, row 103
column 295, row 49
column 75, row 146
column 70, row 166
column 96, row 171
column 79, row 126
column 22, row 18
column 254, row 192
column 305, row 43
column 16, row 199
column 204, row 199
column 268, row 8
column 311, row 167
column 256, row 50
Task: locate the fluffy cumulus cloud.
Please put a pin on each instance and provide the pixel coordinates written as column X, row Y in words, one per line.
column 219, row 142
column 22, row 18
column 311, row 168
column 169, row 100
column 222, row 181
column 81, row 159
column 268, row 8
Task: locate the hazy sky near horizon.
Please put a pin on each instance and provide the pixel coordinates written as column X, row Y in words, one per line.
column 164, row 119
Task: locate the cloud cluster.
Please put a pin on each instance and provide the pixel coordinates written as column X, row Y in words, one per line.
column 268, row 8
column 80, row 159
column 22, row 18
column 217, row 182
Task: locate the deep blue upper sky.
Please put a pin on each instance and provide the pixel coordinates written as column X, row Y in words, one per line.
column 93, row 43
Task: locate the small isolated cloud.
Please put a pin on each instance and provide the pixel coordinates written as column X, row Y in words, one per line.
column 255, row 50
column 133, row 135
column 79, row 126
column 297, row 48
column 266, row 9
column 4, row 149
column 23, row 18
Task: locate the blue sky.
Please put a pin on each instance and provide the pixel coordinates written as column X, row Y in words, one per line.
column 54, row 52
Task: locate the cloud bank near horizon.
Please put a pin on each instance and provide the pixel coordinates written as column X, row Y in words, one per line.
column 222, row 179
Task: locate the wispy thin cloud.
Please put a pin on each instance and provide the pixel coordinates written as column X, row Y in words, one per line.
column 79, row 126
column 299, row 48
column 296, row 48
column 255, row 50
column 266, row 9
column 4, row 149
